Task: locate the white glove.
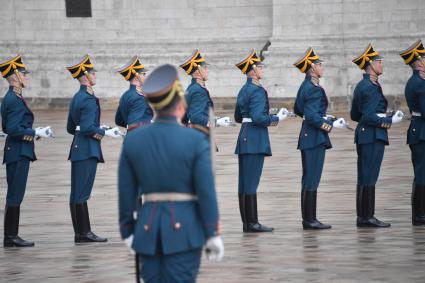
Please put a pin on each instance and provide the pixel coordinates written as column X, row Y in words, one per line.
column 129, row 242
column 214, row 248
column 282, row 114
column 339, row 123
column 397, row 117
column 105, row 127
column 113, row 133
column 44, row 132
column 223, row 122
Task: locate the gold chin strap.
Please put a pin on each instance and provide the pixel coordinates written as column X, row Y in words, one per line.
column 254, row 67
column 88, row 78
column 422, row 60
column 201, row 82
column 139, row 78
column 315, row 80
column 90, row 90
column 373, row 77
column 21, row 82
column 202, row 73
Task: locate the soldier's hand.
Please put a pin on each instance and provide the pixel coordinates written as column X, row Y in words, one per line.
column 397, row 117
column 214, row 248
column 129, row 243
column 44, row 132
column 223, row 122
column 113, row 133
column 282, row 114
column 339, row 123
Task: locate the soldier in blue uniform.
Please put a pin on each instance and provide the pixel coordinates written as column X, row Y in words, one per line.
column 369, row 107
column 253, row 144
column 168, row 165
column 311, row 104
column 197, row 95
column 415, row 97
column 17, row 122
column 85, row 153
column 133, row 110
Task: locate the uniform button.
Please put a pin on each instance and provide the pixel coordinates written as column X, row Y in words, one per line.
column 414, row 130
column 305, row 134
column 244, row 139
column 146, row 227
column 177, row 225
column 76, row 146
column 8, row 148
column 362, row 129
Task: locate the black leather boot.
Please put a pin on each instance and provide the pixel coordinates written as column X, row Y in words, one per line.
column 241, row 198
column 85, row 235
column 359, row 193
column 308, row 210
column 418, row 205
column 11, row 228
column 73, row 210
column 251, row 215
column 368, row 208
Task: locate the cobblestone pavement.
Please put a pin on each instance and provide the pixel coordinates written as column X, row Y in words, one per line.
column 342, row 254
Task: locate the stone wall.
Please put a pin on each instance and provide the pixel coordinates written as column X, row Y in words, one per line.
column 167, row 31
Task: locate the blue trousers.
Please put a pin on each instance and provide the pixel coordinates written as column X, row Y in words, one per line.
column 418, row 160
column 369, row 160
column 82, row 178
column 312, row 162
column 250, row 170
column 173, row 268
column 17, row 175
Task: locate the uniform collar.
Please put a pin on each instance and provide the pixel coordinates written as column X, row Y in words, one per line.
column 373, row 79
column 313, row 80
column 419, row 73
column 16, row 90
column 253, row 81
column 198, row 81
column 166, row 119
column 138, row 89
column 87, row 89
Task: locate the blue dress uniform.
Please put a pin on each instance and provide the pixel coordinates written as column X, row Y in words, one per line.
column 368, row 108
column 198, row 103
column 197, row 96
column 253, row 144
column 85, row 152
column 133, row 109
column 170, row 166
column 17, row 122
column 311, row 104
column 415, row 97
